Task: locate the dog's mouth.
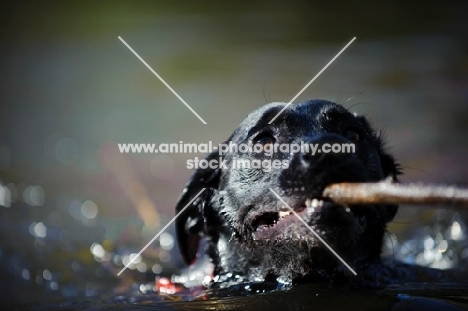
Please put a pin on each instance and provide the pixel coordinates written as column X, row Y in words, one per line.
column 281, row 224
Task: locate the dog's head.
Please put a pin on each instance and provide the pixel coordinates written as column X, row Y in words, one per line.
column 250, row 232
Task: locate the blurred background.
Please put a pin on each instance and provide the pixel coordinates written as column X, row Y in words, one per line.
column 73, row 209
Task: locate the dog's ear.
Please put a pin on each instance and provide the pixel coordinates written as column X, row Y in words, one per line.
column 190, row 224
column 390, row 167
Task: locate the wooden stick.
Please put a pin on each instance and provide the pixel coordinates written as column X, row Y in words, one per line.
column 388, row 192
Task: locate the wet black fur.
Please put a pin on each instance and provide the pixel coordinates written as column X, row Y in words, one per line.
column 233, row 198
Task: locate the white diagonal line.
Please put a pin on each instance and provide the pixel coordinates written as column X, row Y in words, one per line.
column 157, row 235
column 313, row 79
column 162, row 80
column 315, row 233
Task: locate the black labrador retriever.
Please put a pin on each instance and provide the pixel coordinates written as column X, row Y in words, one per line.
column 252, row 236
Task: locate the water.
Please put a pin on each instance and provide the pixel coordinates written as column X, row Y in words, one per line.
column 303, row 297
column 73, row 210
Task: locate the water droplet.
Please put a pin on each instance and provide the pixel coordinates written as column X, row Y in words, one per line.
column 5, row 196
column 456, row 231
column 97, row 250
column 25, row 274
column 166, row 241
column 156, row 269
column 38, row 230
column 141, row 267
column 89, row 209
column 36, row 196
column 47, row 275
column 164, row 256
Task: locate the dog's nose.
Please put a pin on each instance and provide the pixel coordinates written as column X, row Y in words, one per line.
column 327, row 160
column 327, row 147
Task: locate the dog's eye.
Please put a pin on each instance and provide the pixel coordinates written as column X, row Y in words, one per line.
column 352, row 135
column 264, row 139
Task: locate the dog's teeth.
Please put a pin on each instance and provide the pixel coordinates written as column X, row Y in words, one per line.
column 308, row 202
column 284, row 214
column 315, row 203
